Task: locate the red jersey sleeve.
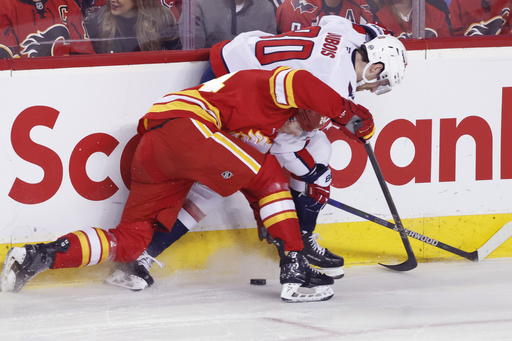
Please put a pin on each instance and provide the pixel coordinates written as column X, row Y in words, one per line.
column 308, row 92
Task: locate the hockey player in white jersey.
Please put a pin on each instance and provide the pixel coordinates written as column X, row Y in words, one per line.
column 325, row 50
column 329, row 52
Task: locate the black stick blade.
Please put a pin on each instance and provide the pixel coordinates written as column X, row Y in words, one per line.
column 408, row 265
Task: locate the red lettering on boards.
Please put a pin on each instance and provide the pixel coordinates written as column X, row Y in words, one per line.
column 418, row 132
column 51, row 163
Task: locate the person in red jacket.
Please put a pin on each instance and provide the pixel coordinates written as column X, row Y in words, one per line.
column 477, row 17
column 396, row 16
column 37, row 28
column 190, row 136
column 293, row 15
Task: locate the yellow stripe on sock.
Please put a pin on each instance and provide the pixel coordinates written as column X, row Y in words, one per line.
column 86, row 252
column 280, row 217
column 275, row 196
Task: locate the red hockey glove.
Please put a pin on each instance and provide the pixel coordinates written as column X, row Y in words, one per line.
column 310, row 120
column 318, row 193
column 356, row 122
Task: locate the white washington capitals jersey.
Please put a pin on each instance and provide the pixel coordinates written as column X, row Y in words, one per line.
column 325, row 50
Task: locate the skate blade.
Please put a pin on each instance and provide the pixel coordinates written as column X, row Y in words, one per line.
column 8, row 276
column 291, row 294
column 123, row 280
column 335, row 273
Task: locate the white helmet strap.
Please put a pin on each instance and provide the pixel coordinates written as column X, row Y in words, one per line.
column 365, row 80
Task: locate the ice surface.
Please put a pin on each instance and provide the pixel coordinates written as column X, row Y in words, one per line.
column 456, row 300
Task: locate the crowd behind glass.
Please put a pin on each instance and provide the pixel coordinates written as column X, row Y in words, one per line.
column 34, row 28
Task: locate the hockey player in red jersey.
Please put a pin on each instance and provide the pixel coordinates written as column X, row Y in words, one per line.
column 396, row 16
column 293, row 15
column 305, row 156
column 477, row 17
column 204, row 119
column 37, row 28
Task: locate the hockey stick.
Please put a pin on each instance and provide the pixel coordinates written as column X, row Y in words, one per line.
column 411, row 261
column 503, row 234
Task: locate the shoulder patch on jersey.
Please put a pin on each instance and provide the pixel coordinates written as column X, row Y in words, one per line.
column 303, row 6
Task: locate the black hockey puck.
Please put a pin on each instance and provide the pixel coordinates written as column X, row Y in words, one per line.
column 258, row 281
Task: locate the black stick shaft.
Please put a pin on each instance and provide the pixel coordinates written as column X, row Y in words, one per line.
column 472, row 256
column 411, row 261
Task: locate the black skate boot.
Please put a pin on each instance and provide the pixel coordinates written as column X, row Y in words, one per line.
column 326, row 261
column 23, row 263
column 296, row 273
column 135, row 275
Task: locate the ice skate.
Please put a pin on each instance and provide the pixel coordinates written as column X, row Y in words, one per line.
column 23, row 263
column 324, row 260
column 297, row 274
column 135, row 275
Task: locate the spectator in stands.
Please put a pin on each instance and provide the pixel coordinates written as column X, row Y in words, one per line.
column 292, row 15
column 396, row 16
column 133, row 25
column 219, row 20
column 480, row 17
column 90, row 6
column 42, row 28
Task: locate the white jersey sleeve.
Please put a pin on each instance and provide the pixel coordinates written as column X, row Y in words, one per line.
column 286, row 146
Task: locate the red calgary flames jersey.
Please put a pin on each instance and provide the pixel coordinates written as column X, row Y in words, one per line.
column 480, row 17
column 228, row 103
column 293, row 15
column 43, row 28
column 437, row 20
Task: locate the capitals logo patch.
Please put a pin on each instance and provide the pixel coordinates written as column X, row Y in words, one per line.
column 303, row 6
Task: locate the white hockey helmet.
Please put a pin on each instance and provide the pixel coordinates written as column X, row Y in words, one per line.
column 390, row 52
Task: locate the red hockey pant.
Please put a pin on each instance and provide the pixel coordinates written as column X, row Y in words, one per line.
column 167, row 161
